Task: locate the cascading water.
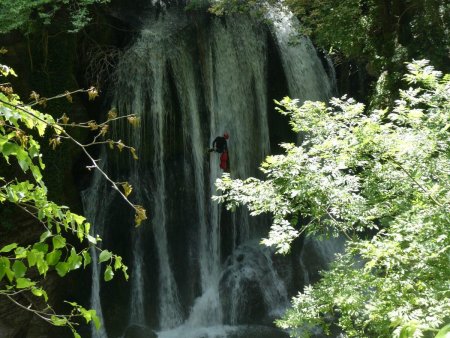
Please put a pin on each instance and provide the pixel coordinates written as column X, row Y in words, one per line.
column 298, row 55
column 189, row 79
column 93, row 201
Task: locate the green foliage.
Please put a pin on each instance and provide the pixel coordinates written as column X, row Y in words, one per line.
column 376, row 36
column 381, row 33
column 381, row 171
column 23, row 266
column 22, row 13
column 377, row 33
column 197, row 5
column 224, row 7
column 344, row 26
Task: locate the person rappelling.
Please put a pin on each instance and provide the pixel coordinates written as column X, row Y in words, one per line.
column 220, row 146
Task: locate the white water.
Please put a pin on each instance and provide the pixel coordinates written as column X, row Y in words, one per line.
column 306, row 79
column 147, row 63
column 220, row 84
column 251, row 263
column 137, row 309
column 93, row 200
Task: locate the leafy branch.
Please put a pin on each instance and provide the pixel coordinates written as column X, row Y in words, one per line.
column 381, row 175
column 62, row 133
column 20, row 264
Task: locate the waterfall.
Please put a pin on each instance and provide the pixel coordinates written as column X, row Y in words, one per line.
column 305, row 78
column 92, row 202
column 316, row 255
column 190, row 79
column 137, row 289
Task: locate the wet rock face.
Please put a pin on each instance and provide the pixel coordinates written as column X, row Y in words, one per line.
column 251, row 291
column 136, row 331
column 250, row 307
column 258, row 332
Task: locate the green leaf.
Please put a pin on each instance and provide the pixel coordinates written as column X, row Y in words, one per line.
column 109, row 274
column 85, row 313
column 9, row 247
column 5, row 70
column 74, row 260
column 80, row 232
column 62, row 269
column 44, row 236
column 23, row 160
column 53, row 257
column 95, row 319
column 19, row 269
column 4, row 264
column 407, row 331
column 87, row 258
column 91, row 239
column 87, row 227
column 32, row 258
column 90, row 315
column 23, row 283
column 36, row 173
column 39, row 292
column 20, row 252
column 118, row 263
column 104, row 256
column 78, row 219
column 444, row 332
column 124, row 271
column 42, row 247
column 58, row 242
column 58, row 321
column 9, row 274
column 41, row 264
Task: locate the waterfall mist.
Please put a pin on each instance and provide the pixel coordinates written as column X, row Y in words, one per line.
column 195, row 269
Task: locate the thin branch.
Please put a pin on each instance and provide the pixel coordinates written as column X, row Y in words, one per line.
column 94, row 164
column 14, row 293
column 59, row 96
column 22, row 108
column 32, row 215
column 425, row 190
column 40, row 314
column 303, row 229
column 343, row 230
column 63, row 131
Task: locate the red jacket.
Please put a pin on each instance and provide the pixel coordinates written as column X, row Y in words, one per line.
column 224, row 160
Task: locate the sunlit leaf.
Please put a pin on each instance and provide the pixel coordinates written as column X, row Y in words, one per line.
column 58, row 242
column 19, row 269
column 53, row 257
column 109, row 274
column 140, row 215
column 62, row 269
column 86, row 258
column 9, row 247
column 23, row 283
column 127, row 188
column 104, row 256
column 58, row 321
